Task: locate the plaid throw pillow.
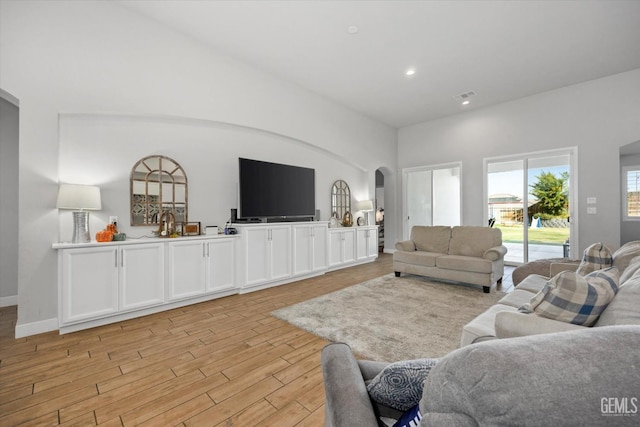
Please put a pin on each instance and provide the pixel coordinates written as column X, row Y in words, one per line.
column 595, row 257
column 571, row 298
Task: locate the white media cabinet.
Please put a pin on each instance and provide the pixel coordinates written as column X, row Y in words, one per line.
column 101, row 283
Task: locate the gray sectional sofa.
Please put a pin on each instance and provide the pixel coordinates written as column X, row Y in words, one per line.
column 576, row 378
column 504, row 320
column 465, row 254
column 544, row 371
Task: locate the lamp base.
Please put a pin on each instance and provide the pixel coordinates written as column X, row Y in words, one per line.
column 81, row 227
column 367, row 217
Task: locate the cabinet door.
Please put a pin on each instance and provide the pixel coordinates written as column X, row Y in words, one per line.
column 349, row 241
column 335, row 248
column 280, row 252
column 221, row 265
column 303, row 255
column 361, row 244
column 372, row 242
column 319, row 247
column 141, row 275
column 187, row 269
column 257, row 254
column 89, row 283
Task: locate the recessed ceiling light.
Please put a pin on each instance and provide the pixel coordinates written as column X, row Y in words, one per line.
column 466, row 102
column 410, row 72
column 352, row 29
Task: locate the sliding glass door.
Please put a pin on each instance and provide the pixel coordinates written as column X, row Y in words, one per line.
column 431, row 196
column 529, row 199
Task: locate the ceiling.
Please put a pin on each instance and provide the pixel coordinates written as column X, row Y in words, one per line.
column 501, row 50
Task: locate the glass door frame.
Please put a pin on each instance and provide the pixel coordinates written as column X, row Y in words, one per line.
column 572, row 152
column 405, row 207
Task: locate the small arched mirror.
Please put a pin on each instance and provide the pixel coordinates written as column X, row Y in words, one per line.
column 158, row 184
column 340, row 199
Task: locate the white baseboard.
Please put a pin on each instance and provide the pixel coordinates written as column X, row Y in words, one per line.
column 35, row 328
column 8, row 301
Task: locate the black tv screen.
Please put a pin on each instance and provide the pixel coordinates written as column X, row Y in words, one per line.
column 273, row 190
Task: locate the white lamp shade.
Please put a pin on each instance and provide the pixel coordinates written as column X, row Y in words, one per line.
column 365, row 205
column 74, row 196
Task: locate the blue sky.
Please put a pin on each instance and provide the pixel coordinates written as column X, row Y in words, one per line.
column 511, row 182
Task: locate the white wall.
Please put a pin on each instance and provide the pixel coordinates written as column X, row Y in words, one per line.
column 598, row 117
column 207, row 151
column 69, row 58
column 8, row 203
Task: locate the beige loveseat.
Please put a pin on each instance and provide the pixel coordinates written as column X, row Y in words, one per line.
column 465, row 254
column 504, row 320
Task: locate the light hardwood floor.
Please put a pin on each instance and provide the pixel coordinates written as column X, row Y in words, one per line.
column 225, row 362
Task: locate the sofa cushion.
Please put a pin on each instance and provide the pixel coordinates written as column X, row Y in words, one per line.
column 630, row 271
column 517, row 298
column 595, row 257
column 483, row 325
column 533, row 283
column 431, row 239
column 624, row 309
column 625, row 254
column 464, row 263
column 426, row 259
column 399, row 385
column 569, row 297
column 473, row 241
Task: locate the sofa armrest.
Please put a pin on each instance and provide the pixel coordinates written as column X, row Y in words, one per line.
column 549, row 379
column 347, row 399
column 406, row 245
column 510, row 324
column 559, row 267
column 496, row 253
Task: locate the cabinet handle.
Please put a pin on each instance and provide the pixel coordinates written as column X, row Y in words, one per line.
column 116, row 260
column 121, row 258
column 203, row 251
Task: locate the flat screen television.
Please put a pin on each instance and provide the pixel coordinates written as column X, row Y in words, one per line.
column 275, row 192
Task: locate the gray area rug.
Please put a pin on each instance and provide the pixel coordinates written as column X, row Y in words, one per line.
column 391, row 318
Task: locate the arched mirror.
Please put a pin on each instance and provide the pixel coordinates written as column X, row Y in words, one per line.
column 158, row 184
column 340, row 199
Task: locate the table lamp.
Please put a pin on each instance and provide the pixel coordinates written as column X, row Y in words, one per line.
column 365, row 206
column 83, row 198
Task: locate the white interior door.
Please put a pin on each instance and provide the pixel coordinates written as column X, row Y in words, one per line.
column 431, row 196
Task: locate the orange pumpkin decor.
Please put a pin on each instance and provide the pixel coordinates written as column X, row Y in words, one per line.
column 104, row 236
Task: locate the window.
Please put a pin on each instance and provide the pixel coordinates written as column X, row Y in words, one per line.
column 631, row 193
column 529, row 198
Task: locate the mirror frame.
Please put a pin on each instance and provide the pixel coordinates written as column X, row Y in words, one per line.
column 162, row 171
column 340, row 199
